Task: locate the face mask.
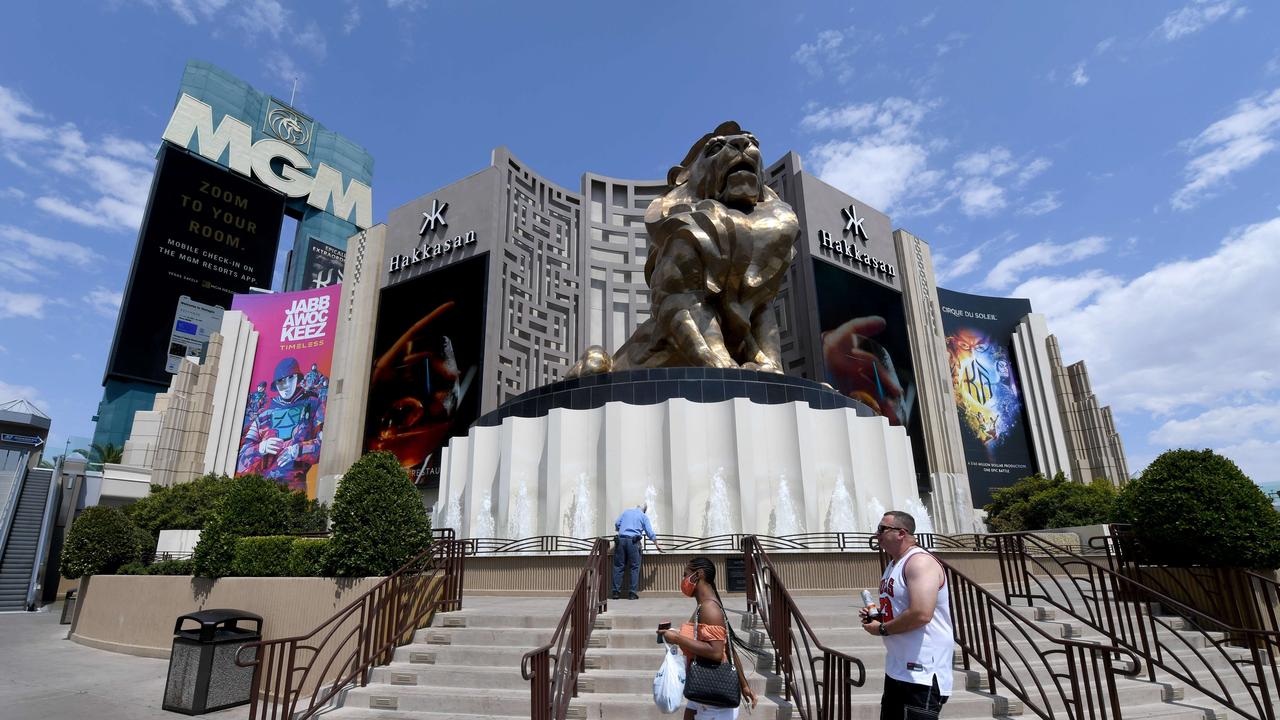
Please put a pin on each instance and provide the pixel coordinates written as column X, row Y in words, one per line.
column 687, row 585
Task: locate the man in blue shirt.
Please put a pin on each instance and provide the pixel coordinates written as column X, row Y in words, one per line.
column 632, row 526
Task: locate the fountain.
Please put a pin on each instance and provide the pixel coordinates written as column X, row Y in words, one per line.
column 484, row 524
column 582, row 515
column 917, row 510
column 453, row 514
column 718, row 519
column 875, row 511
column 520, row 516
column 785, row 519
column 651, row 502
column 840, row 514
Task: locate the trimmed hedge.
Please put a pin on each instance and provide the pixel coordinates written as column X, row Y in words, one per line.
column 306, row 557
column 1038, row 503
column 379, row 521
column 252, row 506
column 100, row 541
column 164, row 567
column 1195, row 507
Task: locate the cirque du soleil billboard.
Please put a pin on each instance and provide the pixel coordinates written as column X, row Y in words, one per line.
column 985, row 387
column 283, row 423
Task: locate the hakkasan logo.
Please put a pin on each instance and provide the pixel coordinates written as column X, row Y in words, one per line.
column 287, row 124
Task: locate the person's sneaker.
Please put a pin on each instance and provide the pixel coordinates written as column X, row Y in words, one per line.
column 616, row 595
column 632, row 596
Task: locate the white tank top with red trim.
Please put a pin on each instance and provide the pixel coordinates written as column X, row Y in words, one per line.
column 921, row 654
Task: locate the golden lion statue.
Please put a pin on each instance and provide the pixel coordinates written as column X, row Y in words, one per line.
column 720, row 243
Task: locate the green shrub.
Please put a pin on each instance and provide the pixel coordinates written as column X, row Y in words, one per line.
column 133, row 568
column 379, row 522
column 306, row 557
column 251, row 506
column 172, row 567
column 185, row 506
column 1194, row 507
column 99, row 542
column 1037, row 503
column 262, row 556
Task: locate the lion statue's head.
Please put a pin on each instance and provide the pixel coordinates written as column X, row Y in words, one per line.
column 722, row 165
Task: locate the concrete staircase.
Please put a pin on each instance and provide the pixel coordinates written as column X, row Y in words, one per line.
column 18, row 550
column 467, row 665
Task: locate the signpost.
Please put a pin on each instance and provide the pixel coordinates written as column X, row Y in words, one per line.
column 32, row 440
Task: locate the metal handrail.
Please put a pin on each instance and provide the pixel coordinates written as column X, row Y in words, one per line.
column 296, row 677
column 814, row 698
column 10, row 507
column 1082, row 673
column 1119, row 607
column 551, row 689
column 815, row 542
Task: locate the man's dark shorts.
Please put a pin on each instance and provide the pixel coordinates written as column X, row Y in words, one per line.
column 899, row 696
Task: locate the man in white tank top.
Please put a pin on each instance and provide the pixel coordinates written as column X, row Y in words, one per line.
column 914, row 617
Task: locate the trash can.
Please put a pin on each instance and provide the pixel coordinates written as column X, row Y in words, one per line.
column 68, row 608
column 203, row 675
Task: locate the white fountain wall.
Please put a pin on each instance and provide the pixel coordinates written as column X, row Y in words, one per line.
column 677, row 447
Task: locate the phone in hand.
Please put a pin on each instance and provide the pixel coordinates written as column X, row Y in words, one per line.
column 662, row 627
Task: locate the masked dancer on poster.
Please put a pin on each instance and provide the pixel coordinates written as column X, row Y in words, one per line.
column 283, row 441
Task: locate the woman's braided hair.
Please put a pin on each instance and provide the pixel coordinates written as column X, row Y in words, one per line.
column 708, row 570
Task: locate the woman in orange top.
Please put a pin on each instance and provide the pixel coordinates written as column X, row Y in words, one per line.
column 711, row 643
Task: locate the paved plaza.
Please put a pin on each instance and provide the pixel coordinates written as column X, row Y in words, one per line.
column 44, row 676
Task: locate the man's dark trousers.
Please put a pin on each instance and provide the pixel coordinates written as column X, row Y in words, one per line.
column 900, row 698
column 626, row 551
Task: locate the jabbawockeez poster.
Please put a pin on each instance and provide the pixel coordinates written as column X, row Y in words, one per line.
column 283, row 423
column 988, row 396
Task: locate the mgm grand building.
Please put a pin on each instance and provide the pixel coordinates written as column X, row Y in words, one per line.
column 461, row 319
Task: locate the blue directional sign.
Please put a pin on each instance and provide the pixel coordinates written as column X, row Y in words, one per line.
column 32, row 440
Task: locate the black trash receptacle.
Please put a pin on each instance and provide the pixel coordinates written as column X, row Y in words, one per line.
column 203, row 675
column 68, row 608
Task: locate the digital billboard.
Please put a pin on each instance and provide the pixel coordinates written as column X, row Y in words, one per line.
column 425, row 383
column 283, row 425
column 208, row 234
column 324, row 264
column 986, row 390
column 866, row 354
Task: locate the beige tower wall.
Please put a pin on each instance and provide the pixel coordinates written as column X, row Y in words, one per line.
column 239, row 343
column 1035, row 369
column 1094, row 446
column 352, row 358
column 951, row 501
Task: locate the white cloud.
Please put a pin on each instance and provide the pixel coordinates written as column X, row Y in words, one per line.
column 952, row 42
column 1193, row 18
column 108, row 179
column 1258, row 458
column 1188, row 335
column 104, row 301
column 16, row 119
column 924, row 21
column 1042, row 254
column 827, row 51
column 27, row 305
column 1078, row 76
column 406, row 4
column 9, row 391
column 1104, row 45
column 1228, row 146
column 28, row 255
column 13, row 193
column 1220, row 424
column 884, row 161
column 351, row 19
column 946, row 269
column 284, row 69
column 262, row 16
column 194, row 11
column 1046, row 203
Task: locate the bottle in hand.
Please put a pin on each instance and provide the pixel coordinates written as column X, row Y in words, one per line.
column 870, row 610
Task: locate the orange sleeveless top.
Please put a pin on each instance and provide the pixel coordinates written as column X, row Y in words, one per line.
column 706, row 633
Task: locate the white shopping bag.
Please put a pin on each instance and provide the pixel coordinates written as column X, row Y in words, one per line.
column 668, row 684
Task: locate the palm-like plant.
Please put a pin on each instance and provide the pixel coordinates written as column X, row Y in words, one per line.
column 100, row 453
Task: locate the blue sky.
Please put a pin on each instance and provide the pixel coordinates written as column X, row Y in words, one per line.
column 1114, row 162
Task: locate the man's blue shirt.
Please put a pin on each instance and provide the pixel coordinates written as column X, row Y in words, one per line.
column 634, row 522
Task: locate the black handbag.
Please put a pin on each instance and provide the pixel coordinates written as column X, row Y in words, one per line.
column 713, row 683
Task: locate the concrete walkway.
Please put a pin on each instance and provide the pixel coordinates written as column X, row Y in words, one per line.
column 44, row 675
